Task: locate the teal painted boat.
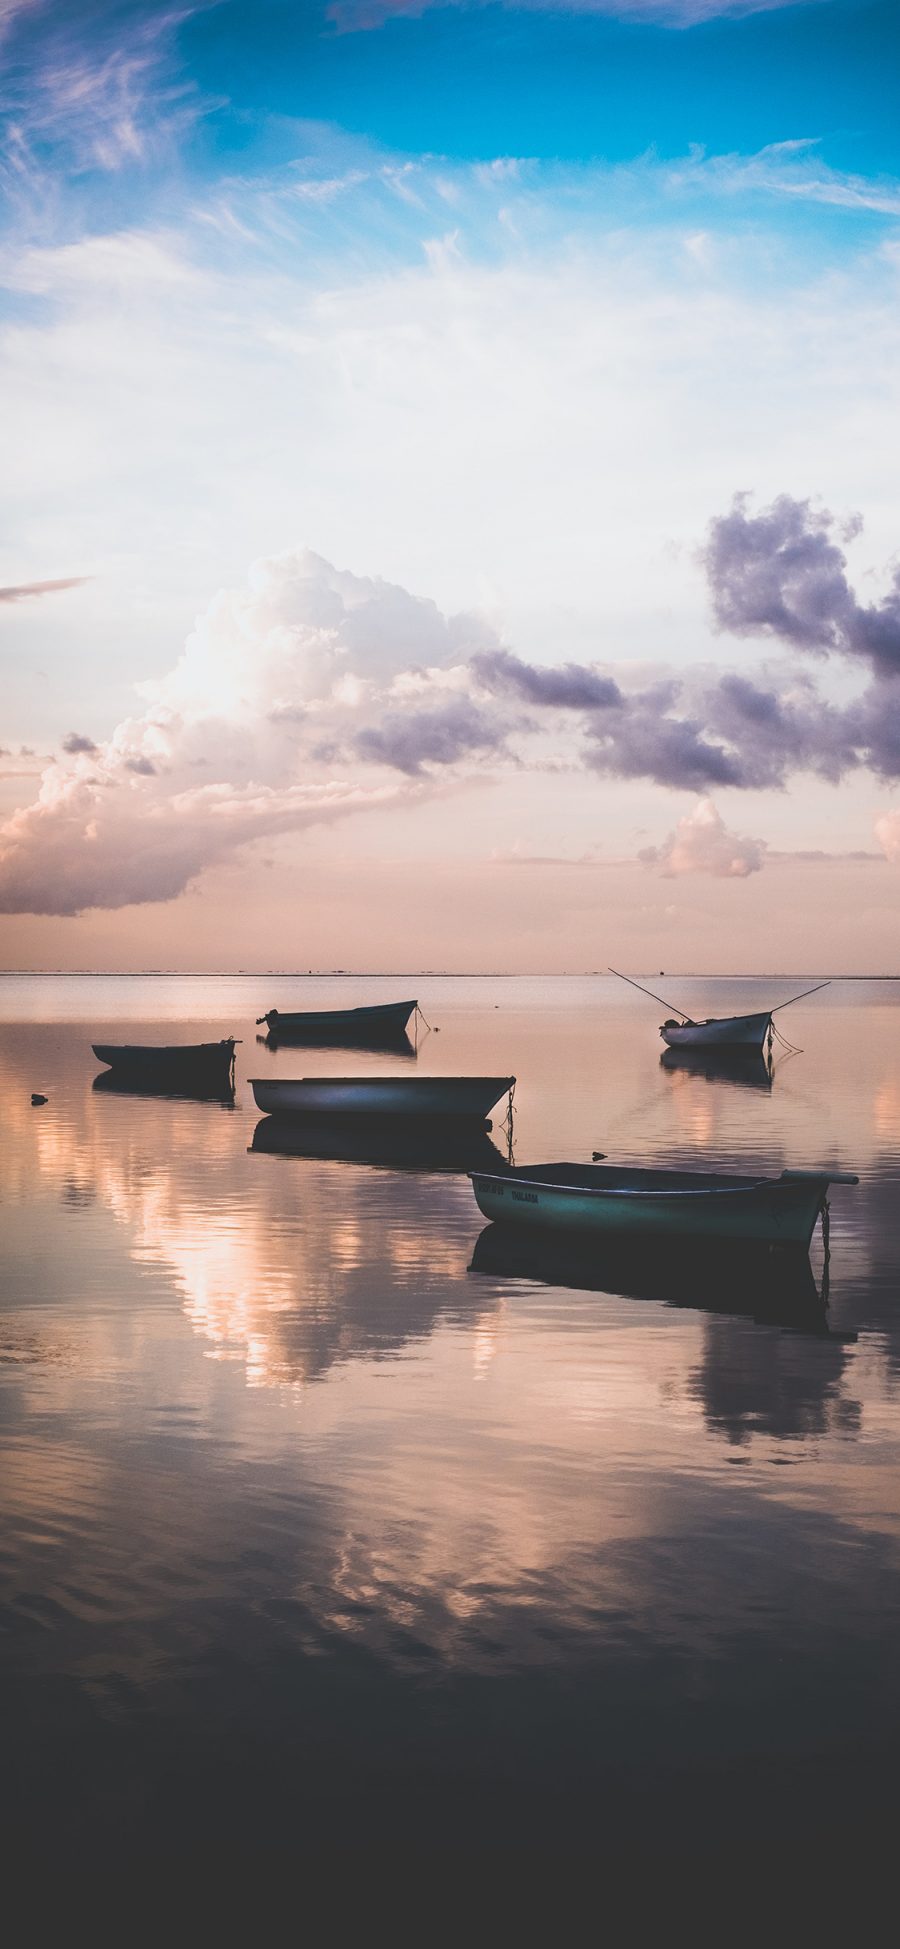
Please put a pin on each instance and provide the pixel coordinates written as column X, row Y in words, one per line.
column 606, row 1201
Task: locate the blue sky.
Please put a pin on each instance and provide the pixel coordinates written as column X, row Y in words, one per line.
column 346, row 351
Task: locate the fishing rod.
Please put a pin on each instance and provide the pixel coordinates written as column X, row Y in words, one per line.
column 794, row 998
column 658, row 998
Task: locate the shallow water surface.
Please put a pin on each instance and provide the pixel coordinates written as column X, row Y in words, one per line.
column 318, row 1515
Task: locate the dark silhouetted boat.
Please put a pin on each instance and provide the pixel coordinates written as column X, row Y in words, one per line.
column 772, row 1285
column 380, row 1096
column 400, row 1143
column 173, row 1068
column 603, row 1201
column 367, row 1027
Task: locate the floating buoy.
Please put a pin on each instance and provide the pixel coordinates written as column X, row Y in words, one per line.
column 596, row 1155
column 37, row 1098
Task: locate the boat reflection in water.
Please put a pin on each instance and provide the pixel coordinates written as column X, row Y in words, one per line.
column 186, row 1089
column 749, row 1069
column 402, row 1144
column 774, row 1286
column 397, row 1044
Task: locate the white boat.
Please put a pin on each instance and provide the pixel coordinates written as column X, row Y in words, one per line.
column 729, row 1032
column 603, row 1200
column 381, row 1096
column 718, row 1032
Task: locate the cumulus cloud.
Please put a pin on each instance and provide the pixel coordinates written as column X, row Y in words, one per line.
column 311, row 693
column 20, row 591
column 702, row 843
column 887, row 833
column 225, row 751
column 783, row 573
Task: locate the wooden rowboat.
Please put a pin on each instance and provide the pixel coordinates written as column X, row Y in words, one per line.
column 385, row 1022
column 382, row 1096
column 601, row 1200
column 730, row 1032
column 166, row 1065
column 718, row 1032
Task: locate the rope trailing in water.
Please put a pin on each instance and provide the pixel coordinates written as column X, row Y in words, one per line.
column 420, row 1017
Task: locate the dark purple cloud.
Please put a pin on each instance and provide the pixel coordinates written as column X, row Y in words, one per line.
column 75, row 742
column 649, row 740
column 570, row 687
column 407, row 740
column 782, row 573
column 700, row 731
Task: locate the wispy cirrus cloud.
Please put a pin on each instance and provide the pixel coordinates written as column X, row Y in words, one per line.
column 359, row 15
column 24, row 591
column 86, row 88
column 793, row 169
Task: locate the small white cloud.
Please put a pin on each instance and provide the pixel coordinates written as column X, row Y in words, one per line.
column 887, row 833
column 702, row 843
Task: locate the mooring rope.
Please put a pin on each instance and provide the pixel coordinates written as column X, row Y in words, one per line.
column 793, row 1048
column 507, row 1124
column 420, row 1016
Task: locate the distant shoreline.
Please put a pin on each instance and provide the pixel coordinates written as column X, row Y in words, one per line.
column 403, row 974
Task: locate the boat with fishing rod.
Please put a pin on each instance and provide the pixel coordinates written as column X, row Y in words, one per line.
column 381, row 1096
column 723, row 1032
column 382, row 1022
column 603, row 1201
column 169, row 1064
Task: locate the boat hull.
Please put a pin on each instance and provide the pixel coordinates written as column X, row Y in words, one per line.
column 369, row 1026
column 381, row 1096
column 610, row 1204
column 209, row 1063
column 732, row 1032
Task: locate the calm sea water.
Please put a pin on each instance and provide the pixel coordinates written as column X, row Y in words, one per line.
column 313, row 1530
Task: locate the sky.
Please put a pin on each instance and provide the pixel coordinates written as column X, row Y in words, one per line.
column 450, row 515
